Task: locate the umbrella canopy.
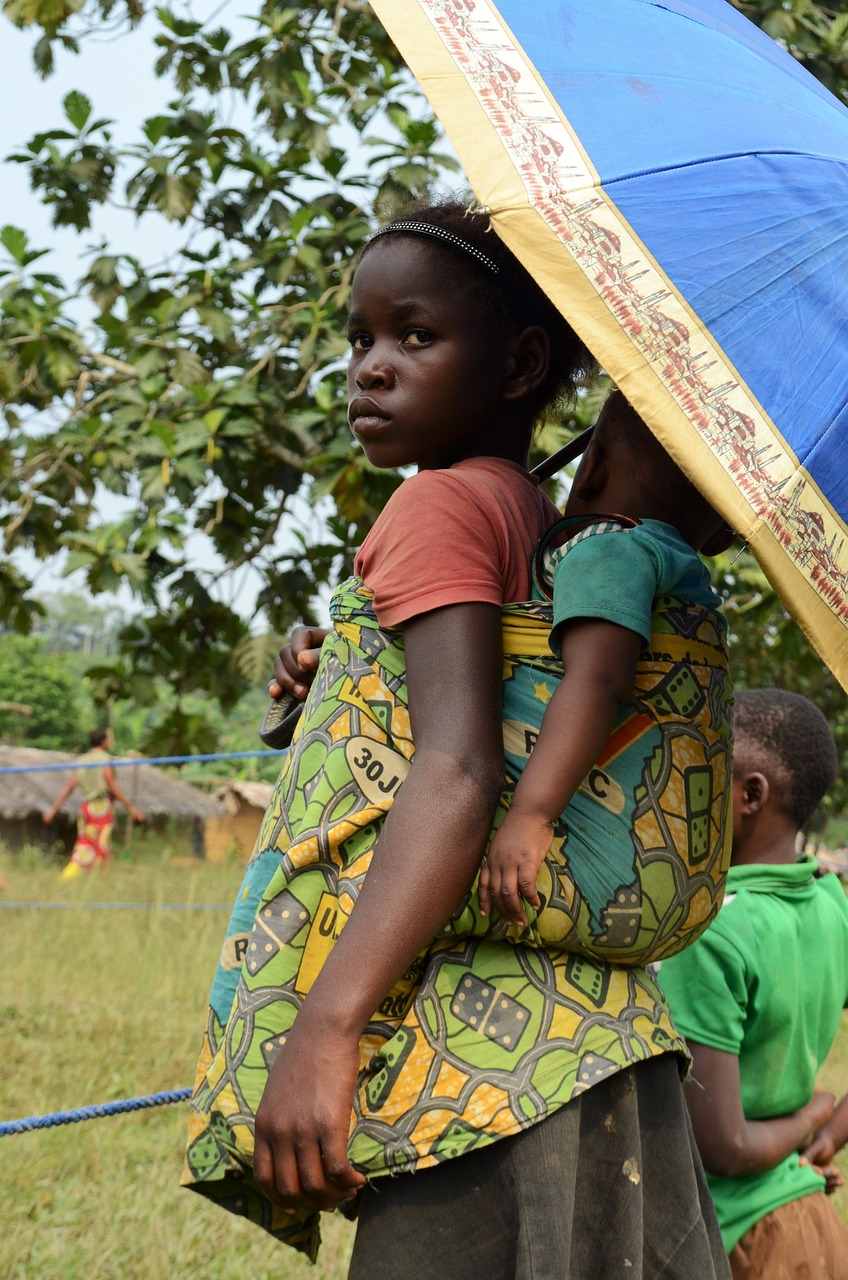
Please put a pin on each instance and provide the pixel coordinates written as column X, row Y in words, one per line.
column 679, row 186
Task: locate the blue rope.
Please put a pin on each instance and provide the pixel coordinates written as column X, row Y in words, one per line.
column 125, row 764
column 117, row 906
column 90, row 1113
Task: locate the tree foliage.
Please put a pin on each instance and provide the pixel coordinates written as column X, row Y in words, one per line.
column 815, row 34
column 204, row 394
column 768, row 648
column 47, row 710
column 207, row 392
column 58, row 684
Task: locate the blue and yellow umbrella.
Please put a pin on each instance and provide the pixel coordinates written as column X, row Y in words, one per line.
column 679, row 186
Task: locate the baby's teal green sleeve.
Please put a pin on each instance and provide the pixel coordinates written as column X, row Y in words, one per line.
column 611, row 576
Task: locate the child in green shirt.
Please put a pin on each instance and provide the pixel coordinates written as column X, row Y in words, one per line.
column 759, row 998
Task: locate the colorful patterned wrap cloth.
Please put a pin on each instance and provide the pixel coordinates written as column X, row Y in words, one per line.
column 640, row 857
column 493, row 1028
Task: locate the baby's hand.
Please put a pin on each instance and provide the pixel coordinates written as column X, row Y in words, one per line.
column 510, row 868
column 296, row 663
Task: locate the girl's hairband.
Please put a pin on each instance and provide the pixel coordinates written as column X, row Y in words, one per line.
column 440, row 233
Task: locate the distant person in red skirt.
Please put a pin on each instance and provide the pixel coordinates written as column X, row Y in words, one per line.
column 96, row 818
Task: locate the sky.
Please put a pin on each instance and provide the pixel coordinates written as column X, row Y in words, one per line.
column 116, row 73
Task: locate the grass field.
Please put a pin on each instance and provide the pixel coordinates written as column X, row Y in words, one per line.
column 99, row 1005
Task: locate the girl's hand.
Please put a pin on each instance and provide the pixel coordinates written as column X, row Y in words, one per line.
column 296, row 663
column 303, row 1121
column 510, row 868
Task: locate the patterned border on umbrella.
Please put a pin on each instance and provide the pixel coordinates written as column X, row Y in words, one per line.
column 518, row 148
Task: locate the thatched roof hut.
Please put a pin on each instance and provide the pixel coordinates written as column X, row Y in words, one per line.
column 25, row 797
column 233, row 833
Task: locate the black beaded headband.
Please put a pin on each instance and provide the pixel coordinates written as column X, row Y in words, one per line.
column 440, row 233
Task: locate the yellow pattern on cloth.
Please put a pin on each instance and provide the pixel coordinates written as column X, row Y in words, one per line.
column 485, row 1034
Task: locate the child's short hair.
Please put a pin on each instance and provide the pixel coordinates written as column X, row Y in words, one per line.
column 784, row 736
column 97, row 737
column 511, row 299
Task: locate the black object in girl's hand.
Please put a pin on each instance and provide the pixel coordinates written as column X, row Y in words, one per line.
column 278, row 725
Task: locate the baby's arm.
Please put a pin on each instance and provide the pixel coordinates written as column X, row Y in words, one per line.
column 428, row 853
column 599, row 661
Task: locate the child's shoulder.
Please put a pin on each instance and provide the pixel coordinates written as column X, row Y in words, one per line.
column 494, row 488
column 832, row 890
column 772, row 898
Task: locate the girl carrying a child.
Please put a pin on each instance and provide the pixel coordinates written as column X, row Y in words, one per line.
column 366, row 1038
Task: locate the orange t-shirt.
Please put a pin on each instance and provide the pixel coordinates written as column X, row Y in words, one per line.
column 459, row 536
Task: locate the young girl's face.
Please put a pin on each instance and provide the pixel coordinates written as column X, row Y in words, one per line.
column 427, row 370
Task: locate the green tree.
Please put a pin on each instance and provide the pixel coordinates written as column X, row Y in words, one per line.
column 768, row 648
column 815, row 34
column 73, row 622
column 41, row 704
column 207, row 396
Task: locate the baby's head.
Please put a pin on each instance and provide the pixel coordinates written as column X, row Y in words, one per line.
column 625, row 470
column 784, row 762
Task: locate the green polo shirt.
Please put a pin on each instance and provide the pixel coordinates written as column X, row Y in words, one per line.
column 767, row 982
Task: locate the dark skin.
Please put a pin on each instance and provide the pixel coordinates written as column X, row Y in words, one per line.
column 731, row 1145
column 427, row 859
column 417, row 349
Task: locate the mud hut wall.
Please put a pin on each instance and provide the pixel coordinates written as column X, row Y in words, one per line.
column 18, row 833
column 233, row 835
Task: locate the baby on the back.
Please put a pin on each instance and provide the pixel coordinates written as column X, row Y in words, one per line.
column 651, row 710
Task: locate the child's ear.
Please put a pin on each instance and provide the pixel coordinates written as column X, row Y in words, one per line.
column 719, row 541
column 592, row 474
column 755, row 793
column 529, row 359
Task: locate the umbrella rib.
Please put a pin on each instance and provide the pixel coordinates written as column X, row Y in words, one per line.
column 563, row 456
column 696, row 164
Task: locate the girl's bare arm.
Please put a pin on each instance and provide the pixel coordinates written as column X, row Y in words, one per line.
column 63, row 795
column 428, row 853
column 117, row 794
column 297, row 662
